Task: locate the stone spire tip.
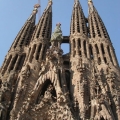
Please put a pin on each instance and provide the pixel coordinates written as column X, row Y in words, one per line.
column 34, row 12
column 50, row 2
column 91, row 6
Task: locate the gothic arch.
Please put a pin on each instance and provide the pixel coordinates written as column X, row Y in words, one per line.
column 44, row 88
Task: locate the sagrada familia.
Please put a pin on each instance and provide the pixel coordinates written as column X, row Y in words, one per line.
column 39, row 82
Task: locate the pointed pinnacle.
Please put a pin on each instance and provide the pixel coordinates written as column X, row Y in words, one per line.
column 91, row 6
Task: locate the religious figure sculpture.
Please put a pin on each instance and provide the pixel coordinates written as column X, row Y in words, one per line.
column 57, row 37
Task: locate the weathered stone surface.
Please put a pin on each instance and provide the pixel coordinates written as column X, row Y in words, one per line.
column 38, row 82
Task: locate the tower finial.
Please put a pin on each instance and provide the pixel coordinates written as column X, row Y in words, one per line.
column 76, row 2
column 50, row 2
column 34, row 12
column 91, row 6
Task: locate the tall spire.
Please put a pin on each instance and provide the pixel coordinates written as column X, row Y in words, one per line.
column 78, row 22
column 44, row 27
column 41, row 35
column 96, row 25
column 34, row 12
column 23, row 37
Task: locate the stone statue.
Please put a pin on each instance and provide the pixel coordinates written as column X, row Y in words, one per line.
column 57, row 37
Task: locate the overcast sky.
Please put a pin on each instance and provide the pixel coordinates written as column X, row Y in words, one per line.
column 14, row 13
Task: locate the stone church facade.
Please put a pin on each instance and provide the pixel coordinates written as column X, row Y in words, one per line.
column 39, row 82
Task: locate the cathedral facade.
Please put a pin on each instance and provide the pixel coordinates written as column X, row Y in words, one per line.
column 39, row 82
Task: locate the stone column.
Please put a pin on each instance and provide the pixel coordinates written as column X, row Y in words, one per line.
column 107, row 55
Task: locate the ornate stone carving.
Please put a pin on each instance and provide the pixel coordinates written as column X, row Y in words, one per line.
column 25, row 72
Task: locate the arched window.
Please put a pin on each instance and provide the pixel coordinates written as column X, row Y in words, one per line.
column 79, row 43
column 21, row 62
column 105, row 60
column 13, row 62
column 99, row 60
column 109, row 54
column 33, row 51
column 96, row 47
column 85, row 50
column 102, row 48
column 43, row 54
column 38, row 52
column 91, row 51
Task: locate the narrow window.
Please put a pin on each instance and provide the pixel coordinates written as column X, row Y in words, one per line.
column 13, row 63
column 99, row 60
column 105, row 60
column 109, row 54
column 38, row 52
column 79, row 43
column 91, row 52
column 85, row 51
column 43, row 52
column 96, row 47
column 21, row 62
column 102, row 48
column 32, row 54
